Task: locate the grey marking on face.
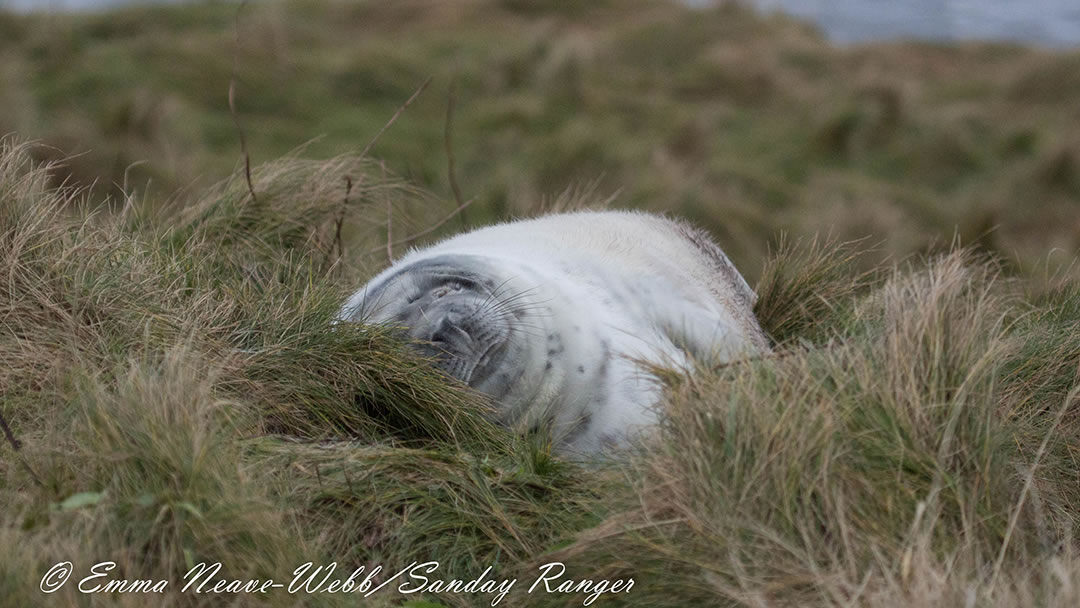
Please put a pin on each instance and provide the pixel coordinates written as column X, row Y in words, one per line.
column 444, row 304
column 581, row 369
column 467, row 269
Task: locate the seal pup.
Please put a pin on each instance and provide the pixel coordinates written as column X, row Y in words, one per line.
column 553, row 317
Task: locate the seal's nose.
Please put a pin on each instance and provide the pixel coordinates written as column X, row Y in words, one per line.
column 441, row 335
column 449, row 331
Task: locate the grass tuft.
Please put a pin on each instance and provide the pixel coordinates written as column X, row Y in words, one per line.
column 802, row 285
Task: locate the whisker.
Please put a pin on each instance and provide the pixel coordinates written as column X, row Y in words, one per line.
column 494, row 293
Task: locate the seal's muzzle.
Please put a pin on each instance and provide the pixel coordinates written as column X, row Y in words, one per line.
column 450, row 309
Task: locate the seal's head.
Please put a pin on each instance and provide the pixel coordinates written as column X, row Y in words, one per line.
column 457, row 310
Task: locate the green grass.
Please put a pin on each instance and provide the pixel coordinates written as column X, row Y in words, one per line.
column 181, row 398
column 180, row 395
column 748, row 125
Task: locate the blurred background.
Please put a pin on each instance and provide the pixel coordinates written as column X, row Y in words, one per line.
column 911, row 123
column 1049, row 22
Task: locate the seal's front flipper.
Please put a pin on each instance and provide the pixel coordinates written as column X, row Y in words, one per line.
column 704, row 335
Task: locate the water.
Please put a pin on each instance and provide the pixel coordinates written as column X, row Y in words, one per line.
column 1042, row 22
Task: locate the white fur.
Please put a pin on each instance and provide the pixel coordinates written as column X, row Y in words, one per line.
column 639, row 287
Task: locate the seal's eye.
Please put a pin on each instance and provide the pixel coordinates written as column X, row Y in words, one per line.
column 445, row 289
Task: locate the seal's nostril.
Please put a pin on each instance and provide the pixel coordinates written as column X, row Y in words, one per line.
column 448, row 332
column 443, row 333
column 461, row 333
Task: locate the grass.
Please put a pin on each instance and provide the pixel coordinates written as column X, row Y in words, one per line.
column 748, row 125
column 180, row 395
column 267, row 411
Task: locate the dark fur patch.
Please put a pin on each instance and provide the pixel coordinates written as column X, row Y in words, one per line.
column 469, row 271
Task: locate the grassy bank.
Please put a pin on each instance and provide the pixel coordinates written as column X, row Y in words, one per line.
column 179, row 399
column 177, row 396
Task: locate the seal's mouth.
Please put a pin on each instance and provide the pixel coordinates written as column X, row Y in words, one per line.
column 488, row 362
column 455, row 313
column 467, row 360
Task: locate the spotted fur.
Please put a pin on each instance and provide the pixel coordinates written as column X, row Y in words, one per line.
column 552, row 316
